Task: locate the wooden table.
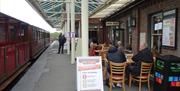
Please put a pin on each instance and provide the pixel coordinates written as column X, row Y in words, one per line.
column 129, row 58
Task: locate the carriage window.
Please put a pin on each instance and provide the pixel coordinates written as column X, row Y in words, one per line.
column 12, row 32
column 2, row 33
column 34, row 33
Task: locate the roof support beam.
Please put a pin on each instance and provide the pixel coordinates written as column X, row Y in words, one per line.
column 62, row 19
column 78, row 6
column 43, row 4
column 54, row 12
column 52, row 15
column 52, row 7
column 56, row 1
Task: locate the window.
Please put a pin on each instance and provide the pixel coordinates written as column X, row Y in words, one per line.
column 12, row 35
column 156, row 31
column 163, row 30
column 2, row 32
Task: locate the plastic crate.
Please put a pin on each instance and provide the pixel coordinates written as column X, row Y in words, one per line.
column 167, row 73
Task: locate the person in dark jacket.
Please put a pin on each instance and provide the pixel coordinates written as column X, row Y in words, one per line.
column 116, row 56
column 144, row 55
column 62, row 40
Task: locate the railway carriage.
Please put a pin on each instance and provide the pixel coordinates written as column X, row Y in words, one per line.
column 20, row 42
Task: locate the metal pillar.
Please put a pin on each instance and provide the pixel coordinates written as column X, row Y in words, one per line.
column 84, row 27
column 62, row 30
column 68, row 27
column 65, row 26
column 72, row 31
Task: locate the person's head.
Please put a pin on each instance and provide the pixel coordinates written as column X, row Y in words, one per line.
column 142, row 46
column 112, row 49
column 60, row 34
column 119, row 43
column 106, row 43
column 91, row 44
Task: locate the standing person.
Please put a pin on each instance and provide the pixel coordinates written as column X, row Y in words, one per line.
column 62, row 40
column 60, row 35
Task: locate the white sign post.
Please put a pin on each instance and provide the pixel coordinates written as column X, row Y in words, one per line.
column 89, row 74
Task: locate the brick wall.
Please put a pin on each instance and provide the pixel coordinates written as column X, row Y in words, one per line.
column 135, row 31
column 154, row 6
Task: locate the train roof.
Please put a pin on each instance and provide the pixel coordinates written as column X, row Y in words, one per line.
column 14, row 20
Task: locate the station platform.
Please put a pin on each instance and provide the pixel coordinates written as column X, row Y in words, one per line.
column 54, row 72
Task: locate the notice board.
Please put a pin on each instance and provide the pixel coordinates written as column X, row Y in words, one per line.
column 169, row 29
column 89, row 74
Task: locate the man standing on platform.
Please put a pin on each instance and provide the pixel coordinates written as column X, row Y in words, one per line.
column 62, row 40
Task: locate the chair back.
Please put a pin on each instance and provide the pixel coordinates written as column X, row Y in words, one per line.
column 145, row 69
column 103, row 54
column 105, row 48
column 117, row 71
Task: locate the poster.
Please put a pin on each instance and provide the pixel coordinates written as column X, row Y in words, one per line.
column 158, row 26
column 169, row 29
column 89, row 74
column 142, row 38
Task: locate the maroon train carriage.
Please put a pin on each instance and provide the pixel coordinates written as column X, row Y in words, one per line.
column 19, row 43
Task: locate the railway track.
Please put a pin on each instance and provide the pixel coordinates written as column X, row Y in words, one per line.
column 7, row 84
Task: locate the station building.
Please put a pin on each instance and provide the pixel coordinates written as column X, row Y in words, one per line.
column 155, row 22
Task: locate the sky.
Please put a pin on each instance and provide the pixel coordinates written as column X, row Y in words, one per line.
column 21, row 10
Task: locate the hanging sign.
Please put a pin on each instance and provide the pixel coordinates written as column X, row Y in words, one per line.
column 112, row 23
column 89, row 74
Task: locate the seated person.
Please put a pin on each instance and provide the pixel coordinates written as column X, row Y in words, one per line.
column 91, row 49
column 144, row 55
column 120, row 46
column 116, row 56
column 128, row 49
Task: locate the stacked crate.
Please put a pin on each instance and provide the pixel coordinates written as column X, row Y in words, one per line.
column 167, row 73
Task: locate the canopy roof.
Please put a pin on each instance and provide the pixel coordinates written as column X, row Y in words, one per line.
column 110, row 7
column 54, row 11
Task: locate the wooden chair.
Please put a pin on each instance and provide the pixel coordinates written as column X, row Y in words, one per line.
column 144, row 75
column 104, row 62
column 117, row 74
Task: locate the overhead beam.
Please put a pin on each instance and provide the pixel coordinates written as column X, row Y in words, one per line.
column 52, row 15
column 55, row 12
column 78, row 6
column 56, row 1
column 59, row 18
column 54, row 7
column 44, row 4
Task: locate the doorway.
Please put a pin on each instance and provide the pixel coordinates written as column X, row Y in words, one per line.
column 118, row 35
column 93, row 36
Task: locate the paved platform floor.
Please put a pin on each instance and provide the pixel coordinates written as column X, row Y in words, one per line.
column 54, row 72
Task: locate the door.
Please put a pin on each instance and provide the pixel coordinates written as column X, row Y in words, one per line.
column 118, row 35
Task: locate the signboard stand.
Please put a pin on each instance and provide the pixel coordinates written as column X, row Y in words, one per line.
column 89, row 74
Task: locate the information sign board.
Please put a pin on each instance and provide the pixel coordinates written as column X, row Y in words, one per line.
column 89, row 74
